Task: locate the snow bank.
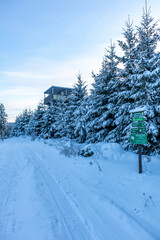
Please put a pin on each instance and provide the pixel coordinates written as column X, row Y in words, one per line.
column 46, row 195
column 107, row 151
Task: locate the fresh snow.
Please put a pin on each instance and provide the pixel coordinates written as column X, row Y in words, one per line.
column 45, row 195
column 138, row 109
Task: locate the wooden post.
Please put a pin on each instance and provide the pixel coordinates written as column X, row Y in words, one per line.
column 140, row 157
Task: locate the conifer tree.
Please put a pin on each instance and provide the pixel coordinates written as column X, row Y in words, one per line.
column 74, row 118
column 61, row 121
column 81, row 121
column 36, row 122
column 147, row 84
column 127, row 76
column 3, row 121
column 16, row 130
column 25, row 118
column 103, row 100
column 48, row 129
column 20, row 126
column 148, row 59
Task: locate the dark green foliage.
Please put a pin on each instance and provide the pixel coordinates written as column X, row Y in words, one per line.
column 123, row 83
column 102, row 105
column 3, row 121
column 76, row 112
column 20, row 126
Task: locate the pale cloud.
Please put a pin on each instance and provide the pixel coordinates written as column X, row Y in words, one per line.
column 16, row 99
column 20, row 92
column 24, row 103
column 17, row 105
column 22, row 75
column 39, row 74
column 43, row 72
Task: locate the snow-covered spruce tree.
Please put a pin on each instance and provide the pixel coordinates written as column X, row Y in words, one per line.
column 81, row 121
column 3, row 121
column 75, row 120
column 37, row 120
column 127, row 74
column 20, row 126
column 8, row 130
column 16, row 130
column 103, row 100
column 61, row 123
column 146, row 86
column 25, row 118
column 49, row 118
column 30, row 126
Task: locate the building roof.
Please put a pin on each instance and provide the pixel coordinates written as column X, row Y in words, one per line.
column 57, row 90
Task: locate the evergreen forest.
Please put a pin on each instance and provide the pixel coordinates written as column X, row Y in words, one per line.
column 123, row 83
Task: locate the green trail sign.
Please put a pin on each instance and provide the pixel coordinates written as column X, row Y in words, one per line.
column 138, row 130
column 138, row 119
column 137, row 114
column 139, row 124
column 138, row 138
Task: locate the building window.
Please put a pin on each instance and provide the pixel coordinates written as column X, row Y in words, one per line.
column 56, row 97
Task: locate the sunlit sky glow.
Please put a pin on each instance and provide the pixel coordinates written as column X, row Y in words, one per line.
column 48, row 42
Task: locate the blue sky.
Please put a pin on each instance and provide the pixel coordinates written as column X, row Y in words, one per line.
column 48, row 42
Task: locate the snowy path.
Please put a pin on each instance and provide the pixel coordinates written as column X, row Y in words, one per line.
column 71, row 221
column 33, row 197
column 44, row 196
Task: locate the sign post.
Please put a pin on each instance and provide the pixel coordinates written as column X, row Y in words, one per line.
column 140, row 157
column 138, row 132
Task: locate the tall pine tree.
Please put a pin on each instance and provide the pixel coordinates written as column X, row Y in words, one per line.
column 103, row 100
column 3, row 121
column 75, row 121
column 147, row 84
column 127, row 75
column 37, row 120
column 20, row 126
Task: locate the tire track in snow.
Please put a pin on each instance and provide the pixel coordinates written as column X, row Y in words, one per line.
column 28, row 150
column 73, row 223
column 114, row 207
column 22, row 217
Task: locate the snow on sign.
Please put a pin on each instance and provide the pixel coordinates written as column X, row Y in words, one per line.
column 137, row 114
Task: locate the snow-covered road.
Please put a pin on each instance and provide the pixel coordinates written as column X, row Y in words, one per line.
column 47, row 196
